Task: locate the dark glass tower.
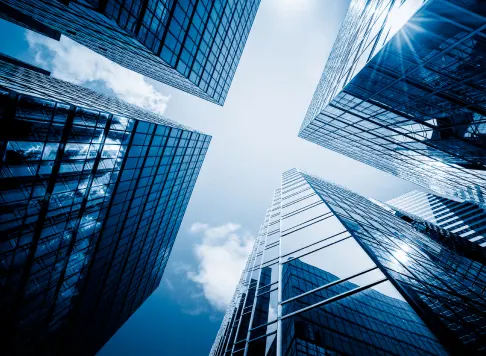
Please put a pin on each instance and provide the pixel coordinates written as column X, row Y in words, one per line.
column 192, row 45
column 93, row 191
column 409, row 100
column 465, row 219
column 332, row 273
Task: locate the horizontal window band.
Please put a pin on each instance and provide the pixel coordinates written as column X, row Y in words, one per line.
column 242, row 349
column 300, row 210
column 315, row 243
column 335, row 298
column 239, row 342
column 294, row 186
column 272, row 245
column 268, row 285
column 288, row 184
column 329, row 285
column 288, row 180
column 299, row 200
column 269, row 263
column 262, row 336
column 270, row 291
column 296, row 193
column 298, row 187
column 324, row 216
column 263, row 325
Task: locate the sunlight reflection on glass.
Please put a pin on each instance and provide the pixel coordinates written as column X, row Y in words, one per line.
column 401, row 14
column 401, row 255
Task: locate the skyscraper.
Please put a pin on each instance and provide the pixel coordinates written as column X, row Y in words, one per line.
column 332, row 273
column 93, row 191
column 192, row 45
column 462, row 218
column 408, row 100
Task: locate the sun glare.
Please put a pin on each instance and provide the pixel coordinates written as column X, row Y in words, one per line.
column 401, row 255
column 401, row 14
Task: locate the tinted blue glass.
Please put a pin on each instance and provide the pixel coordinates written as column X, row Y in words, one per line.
column 192, row 45
column 402, row 92
column 91, row 204
column 379, row 286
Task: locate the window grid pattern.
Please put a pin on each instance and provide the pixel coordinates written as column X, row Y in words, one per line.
column 91, row 205
column 464, row 219
column 403, row 293
column 418, row 264
column 413, row 106
column 192, row 45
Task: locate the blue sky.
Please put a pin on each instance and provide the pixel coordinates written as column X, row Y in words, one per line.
column 254, row 141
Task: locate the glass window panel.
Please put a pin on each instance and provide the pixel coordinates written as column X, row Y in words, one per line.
column 18, row 151
column 323, row 266
column 264, row 346
column 311, row 233
column 271, row 253
column 288, row 191
column 274, row 221
column 50, row 151
column 296, row 205
column 244, row 324
column 317, row 245
column 269, row 275
column 291, row 184
column 265, row 308
column 299, row 194
column 331, row 287
column 373, row 323
column 274, row 237
column 304, row 215
column 263, row 330
column 239, row 352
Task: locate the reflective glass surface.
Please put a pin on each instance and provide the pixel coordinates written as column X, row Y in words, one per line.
column 403, row 91
column 418, row 265
column 193, row 45
column 461, row 218
column 91, row 204
column 369, row 283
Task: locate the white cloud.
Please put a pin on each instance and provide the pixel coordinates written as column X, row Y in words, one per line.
column 77, row 64
column 221, row 257
column 218, row 232
column 197, row 227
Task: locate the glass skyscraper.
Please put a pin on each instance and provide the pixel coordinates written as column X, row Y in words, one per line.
column 403, row 91
column 465, row 219
column 192, row 45
column 332, row 273
column 93, row 191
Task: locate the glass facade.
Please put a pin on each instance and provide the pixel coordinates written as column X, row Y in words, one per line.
column 93, row 191
column 332, row 273
column 192, row 45
column 403, row 91
column 465, row 219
